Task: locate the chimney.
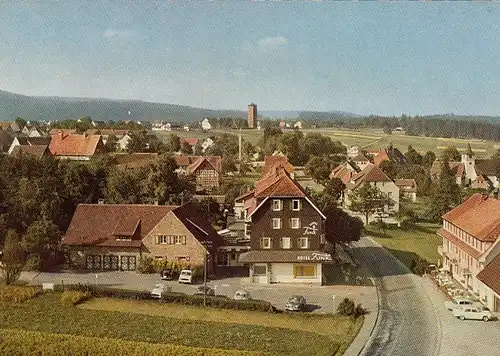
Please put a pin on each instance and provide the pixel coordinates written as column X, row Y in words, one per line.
column 100, row 201
column 155, row 202
column 495, row 193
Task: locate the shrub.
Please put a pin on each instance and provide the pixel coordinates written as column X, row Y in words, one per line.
column 348, row 308
column 21, row 342
column 160, row 265
column 419, row 265
column 71, row 298
column 145, row 265
column 18, row 294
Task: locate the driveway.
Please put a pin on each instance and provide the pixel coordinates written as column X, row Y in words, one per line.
column 320, row 298
column 412, row 318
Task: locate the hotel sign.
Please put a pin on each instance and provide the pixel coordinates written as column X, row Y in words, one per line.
column 316, row 257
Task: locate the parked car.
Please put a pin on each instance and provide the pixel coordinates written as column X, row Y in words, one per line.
column 296, row 303
column 472, row 312
column 157, row 292
column 200, row 289
column 241, row 295
column 457, row 303
column 186, row 276
column 167, row 275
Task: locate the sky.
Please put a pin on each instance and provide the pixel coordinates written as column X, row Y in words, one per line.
column 385, row 58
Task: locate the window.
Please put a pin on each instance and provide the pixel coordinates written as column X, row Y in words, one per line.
column 304, row 242
column 389, row 195
column 123, row 238
column 295, row 223
column 296, row 206
column 285, row 243
column 304, row 271
column 265, row 242
column 276, row 223
column 277, row 206
column 171, row 239
column 259, row 270
column 183, row 258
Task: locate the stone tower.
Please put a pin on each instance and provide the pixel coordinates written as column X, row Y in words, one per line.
column 252, row 116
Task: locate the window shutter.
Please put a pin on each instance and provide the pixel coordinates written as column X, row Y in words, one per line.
column 261, row 242
column 281, row 242
column 290, row 223
column 157, row 239
column 184, row 239
column 300, row 204
column 270, row 242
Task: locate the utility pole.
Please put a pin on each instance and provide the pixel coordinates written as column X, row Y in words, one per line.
column 239, row 147
column 206, row 244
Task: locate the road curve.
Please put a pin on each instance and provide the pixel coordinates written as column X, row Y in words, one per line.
column 406, row 324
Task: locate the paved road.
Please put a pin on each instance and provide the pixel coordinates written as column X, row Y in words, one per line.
column 412, row 317
column 407, row 324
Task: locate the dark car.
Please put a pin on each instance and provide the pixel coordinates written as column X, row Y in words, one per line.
column 167, row 274
column 296, row 303
column 209, row 291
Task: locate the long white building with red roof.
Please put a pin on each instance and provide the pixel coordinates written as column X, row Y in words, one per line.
column 471, row 241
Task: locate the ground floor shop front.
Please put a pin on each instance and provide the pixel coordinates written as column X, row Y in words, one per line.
column 104, row 259
column 286, row 266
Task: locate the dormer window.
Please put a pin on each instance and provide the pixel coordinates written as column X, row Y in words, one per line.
column 277, row 205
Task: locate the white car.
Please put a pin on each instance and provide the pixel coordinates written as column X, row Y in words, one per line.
column 186, row 276
column 159, row 290
column 241, row 295
column 457, row 303
column 472, row 312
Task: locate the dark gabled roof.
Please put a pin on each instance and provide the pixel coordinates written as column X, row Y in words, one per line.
column 36, row 150
column 490, row 275
column 212, row 161
column 479, row 216
column 190, row 215
column 360, row 158
column 371, row 173
column 485, row 166
column 25, row 141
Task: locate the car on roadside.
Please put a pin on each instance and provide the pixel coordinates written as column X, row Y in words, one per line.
column 296, row 303
column 186, row 276
column 241, row 295
column 473, row 313
column 167, row 275
column 457, row 303
column 157, row 292
column 200, row 291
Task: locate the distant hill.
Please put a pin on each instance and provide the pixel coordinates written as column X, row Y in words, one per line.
column 59, row 108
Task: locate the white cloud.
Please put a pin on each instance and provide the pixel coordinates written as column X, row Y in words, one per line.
column 112, row 32
column 272, row 43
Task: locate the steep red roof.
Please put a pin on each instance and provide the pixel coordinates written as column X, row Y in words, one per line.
column 360, row 158
column 64, row 131
column 490, row 275
column 343, row 173
column 74, row 145
column 214, row 161
column 278, row 184
column 271, row 162
column 479, row 216
column 371, row 173
column 471, row 251
column 380, row 157
column 191, row 140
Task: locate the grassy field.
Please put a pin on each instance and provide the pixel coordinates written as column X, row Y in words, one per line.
column 151, row 322
column 422, row 241
column 368, row 139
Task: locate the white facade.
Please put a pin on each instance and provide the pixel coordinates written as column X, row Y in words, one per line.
column 389, row 189
column 266, row 273
column 205, row 125
column 469, row 168
column 206, row 144
column 122, row 143
column 15, row 142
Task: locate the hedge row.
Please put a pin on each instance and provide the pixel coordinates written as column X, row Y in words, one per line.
column 20, row 342
column 73, row 297
column 18, row 294
column 171, row 297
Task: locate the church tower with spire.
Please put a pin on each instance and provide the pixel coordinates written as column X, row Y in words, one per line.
column 469, row 162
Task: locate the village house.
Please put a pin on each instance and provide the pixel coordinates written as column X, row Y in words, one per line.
column 407, row 188
column 345, row 171
column 206, row 125
column 75, row 147
column 388, row 154
column 287, row 232
column 117, row 236
column 122, row 136
column 297, row 125
column 276, row 160
column 31, row 131
column 191, row 141
column 207, row 144
column 37, row 151
column 29, row 141
column 161, row 126
column 11, row 127
column 471, row 246
column 476, row 173
column 206, row 169
column 374, row 176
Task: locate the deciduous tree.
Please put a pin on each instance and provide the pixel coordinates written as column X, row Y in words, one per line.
column 12, row 258
column 367, row 200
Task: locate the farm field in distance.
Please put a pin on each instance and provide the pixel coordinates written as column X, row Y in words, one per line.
column 368, row 138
